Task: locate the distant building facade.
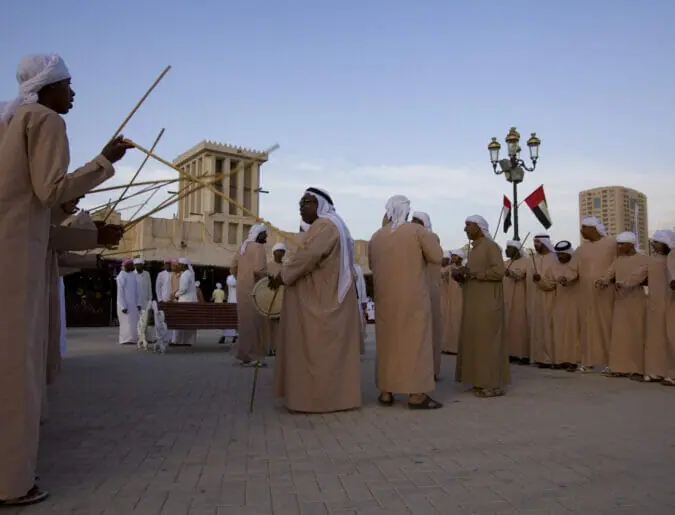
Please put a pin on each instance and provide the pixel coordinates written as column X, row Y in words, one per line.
column 617, row 208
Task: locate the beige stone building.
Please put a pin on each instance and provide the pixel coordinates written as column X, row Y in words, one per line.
column 207, row 229
column 616, row 207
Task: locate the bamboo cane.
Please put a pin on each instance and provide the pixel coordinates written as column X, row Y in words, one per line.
column 118, row 252
column 100, row 207
column 246, row 211
column 166, row 204
column 142, row 183
column 142, row 205
column 145, row 160
column 140, row 102
column 261, row 351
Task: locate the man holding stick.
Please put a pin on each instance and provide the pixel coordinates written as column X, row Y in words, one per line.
column 34, row 158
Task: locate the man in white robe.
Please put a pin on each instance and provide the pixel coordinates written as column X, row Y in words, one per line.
column 163, row 283
column 362, row 298
column 187, row 292
column 128, row 304
column 145, row 293
column 231, row 283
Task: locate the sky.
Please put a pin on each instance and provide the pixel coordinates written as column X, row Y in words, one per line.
column 371, row 98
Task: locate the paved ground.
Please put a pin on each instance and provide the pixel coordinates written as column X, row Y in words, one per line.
column 138, row 433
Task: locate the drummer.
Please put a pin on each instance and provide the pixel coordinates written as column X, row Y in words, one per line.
column 317, row 369
column 274, row 268
column 249, row 266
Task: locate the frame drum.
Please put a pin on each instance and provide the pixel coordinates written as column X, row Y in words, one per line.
column 266, row 300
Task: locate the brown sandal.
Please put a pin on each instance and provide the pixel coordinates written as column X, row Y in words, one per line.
column 427, row 403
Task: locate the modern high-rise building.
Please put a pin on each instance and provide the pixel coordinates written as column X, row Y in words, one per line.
column 617, row 207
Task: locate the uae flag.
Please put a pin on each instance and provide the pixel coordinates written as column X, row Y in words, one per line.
column 537, row 203
column 506, row 211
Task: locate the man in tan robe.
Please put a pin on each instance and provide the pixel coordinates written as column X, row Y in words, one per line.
column 273, row 269
column 452, row 311
column 399, row 255
column 596, row 306
column 516, row 325
column 249, row 266
column 434, row 279
column 566, row 324
column 34, row 159
column 627, row 343
column 541, row 293
column 659, row 354
column 483, row 359
column 318, row 367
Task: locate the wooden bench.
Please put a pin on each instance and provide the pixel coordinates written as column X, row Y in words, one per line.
column 199, row 315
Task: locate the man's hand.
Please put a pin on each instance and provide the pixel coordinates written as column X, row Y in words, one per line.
column 536, row 278
column 139, row 308
column 108, row 234
column 70, row 207
column 562, row 281
column 275, row 282
column 507, row 273
column 601, row 284
column 672, row 284
column 619, row 286
column 115, row 149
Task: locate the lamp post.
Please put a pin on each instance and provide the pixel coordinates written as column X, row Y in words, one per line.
column 514, row 167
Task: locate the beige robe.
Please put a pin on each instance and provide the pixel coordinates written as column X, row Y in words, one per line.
column 659, row 355
column 627, row 343
column 566, row 322
column 540, row 308
column 483, row 359
column 273, row 269
column 249, row 269
column 596, row 306
column 670, row 317
column 452, row 311
column 438, row 338
column 516, row 323
column 34, row 159
column 318, row 367
column 403, row 321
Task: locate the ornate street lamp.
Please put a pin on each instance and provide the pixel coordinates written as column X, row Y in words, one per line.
column 514, row 167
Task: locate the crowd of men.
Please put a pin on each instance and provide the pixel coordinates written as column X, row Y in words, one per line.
column 556, row 307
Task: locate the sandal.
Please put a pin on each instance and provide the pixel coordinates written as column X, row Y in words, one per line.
column 385, row 399
column 427, row 403
column 34, row 496
column 487, row 393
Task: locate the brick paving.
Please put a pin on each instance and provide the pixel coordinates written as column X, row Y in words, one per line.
column 138, row 433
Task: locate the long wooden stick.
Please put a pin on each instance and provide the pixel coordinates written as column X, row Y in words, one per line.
column 142, row 183
column 143, row 204
column 182, row 194
column 140, row 102
column 134, row 251
column 218, row 193
column 124, row 191
column 246, row 211
column 101, row 207
column 261, row 351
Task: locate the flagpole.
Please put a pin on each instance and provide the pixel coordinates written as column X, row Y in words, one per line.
column 499, row 222
column 516, row 236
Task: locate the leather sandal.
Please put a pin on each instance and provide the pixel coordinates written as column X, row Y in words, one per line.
column 34, row 496
column 427, row 403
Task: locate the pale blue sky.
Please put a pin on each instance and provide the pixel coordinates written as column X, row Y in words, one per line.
column 371, row 98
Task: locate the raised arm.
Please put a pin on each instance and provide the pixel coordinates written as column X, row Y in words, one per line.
column 320, row 240
column 431, row 247
column 637, row 276
column 47, row 146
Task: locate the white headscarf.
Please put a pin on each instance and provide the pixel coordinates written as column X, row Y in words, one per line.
column 545, row 240
column 664, row 236
column 564, row 247
column 279, row 246
column 139, row 261
column 423, row 217
column 219, row 286
column 252, row 235
column 481, row 223
column 592, row 221
column 626, row 237
column 515, row 244
column 197, row 283
column 398, row 209
column 326, row 209
column 460, row 253
column 186, row 261
column 34, row 73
